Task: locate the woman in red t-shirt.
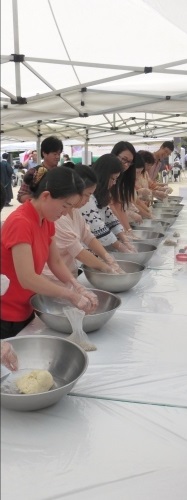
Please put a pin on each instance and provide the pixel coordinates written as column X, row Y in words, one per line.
column 28, row 242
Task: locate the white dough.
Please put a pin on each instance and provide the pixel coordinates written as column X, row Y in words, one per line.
column 176, row 234
column 35, row 382
column 170, row 242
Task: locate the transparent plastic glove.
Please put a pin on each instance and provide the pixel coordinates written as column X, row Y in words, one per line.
column 122, row 247
column 8, row 356
column 145, row 192
column 78, row 336
column 84, row 292
column 169, row 190
column 136, row 218
column 114, row 266
column 82, row 303
column 106, row 268
column 133, row 236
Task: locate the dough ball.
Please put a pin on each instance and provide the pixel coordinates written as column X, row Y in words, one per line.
column 34, row 382
column 176, row 234
column 170, row 242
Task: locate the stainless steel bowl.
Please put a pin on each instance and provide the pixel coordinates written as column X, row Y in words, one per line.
column 50, row 311
column 165, row 211
column 149, row 236
column 154, row 225
column 166, row 217
column 116, row 283
column 145, row 252
column 64, row 360
column 177, row 199
column 171, row 199
column 173, row 209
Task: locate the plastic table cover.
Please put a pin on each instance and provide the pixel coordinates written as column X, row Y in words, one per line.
column 140, row 357
column 84, row 449
column 122, row 433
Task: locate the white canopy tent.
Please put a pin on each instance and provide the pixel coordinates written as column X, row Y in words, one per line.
column 97, row 71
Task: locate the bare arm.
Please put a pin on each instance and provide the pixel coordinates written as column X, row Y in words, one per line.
column 40, row 284
column 91, row 260
column 121, row 215
column 31, row 280
column 143, row 209
column 56, row 264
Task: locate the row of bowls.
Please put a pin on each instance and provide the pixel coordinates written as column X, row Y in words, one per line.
column 105, row 285
column 66, row 361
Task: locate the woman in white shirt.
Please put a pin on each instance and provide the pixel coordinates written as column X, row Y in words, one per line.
column 97, row 213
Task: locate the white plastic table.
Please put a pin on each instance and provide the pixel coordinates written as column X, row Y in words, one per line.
column 121, row 434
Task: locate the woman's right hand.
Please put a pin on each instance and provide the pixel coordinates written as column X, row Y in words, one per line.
column 8, row 356
column 82, row 302
column 137, row 218
column 126, row 248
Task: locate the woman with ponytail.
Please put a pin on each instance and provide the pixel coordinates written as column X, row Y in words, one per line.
column 28, row 242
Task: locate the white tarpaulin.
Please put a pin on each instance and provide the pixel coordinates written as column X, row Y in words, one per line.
column 100, row 442
column 93, row 70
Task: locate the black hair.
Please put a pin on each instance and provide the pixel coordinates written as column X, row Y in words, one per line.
column 3, row 197
column 169, row 145
column 87, row 174
column 5, row 156
column 61, row 182
column 69, row 164
column 123, row 146
column 123, row 191
column 104, row 167
column 51, row 145
column 139, row 162
column 147, row 156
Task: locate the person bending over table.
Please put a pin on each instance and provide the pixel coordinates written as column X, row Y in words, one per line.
column 122, row 202
column 74, row 237
column 97, row 212
column 28, row 242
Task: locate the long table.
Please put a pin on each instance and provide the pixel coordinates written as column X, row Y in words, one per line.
column 122, row 432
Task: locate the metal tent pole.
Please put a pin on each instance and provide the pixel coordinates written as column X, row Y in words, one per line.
column 16, row 47
column 86, row 148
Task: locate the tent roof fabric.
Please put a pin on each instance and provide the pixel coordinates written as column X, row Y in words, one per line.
column 115, row 69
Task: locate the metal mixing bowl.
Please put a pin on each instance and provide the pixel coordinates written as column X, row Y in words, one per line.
column 154, row 225
column 177, row 207
column 167, row 210
column 145, row 252
column 50, row 311
column 177, row 199
column 171, row 218
column 116, row 282
column 64, row 360
column 171, row 199
column 148, row 236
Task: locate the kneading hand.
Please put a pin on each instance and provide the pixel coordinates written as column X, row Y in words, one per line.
column 127, row 248
column 82, row 303
column 8, row 356
column 113, row 265
column 85, row 293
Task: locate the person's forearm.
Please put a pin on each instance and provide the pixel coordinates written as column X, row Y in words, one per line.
column 97, row 248
column 142, row 208
column 43, row 286
column 25, row 163
column 60, row 270
column 90, row 260
column 121, row 215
